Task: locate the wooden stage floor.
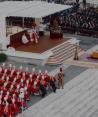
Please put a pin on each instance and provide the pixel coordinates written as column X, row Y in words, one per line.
column 45, row 43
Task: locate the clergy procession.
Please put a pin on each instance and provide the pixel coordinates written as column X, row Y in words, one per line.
column 15, row 81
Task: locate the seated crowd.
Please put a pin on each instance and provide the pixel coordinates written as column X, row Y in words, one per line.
column 84, row 19
column 14, row 81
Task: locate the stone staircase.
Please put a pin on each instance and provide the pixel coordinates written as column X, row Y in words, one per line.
column 79, row 98
column 62, row 52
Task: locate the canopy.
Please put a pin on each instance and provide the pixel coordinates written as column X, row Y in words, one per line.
column 34, row 9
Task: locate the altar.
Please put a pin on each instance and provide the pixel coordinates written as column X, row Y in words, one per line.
column 55, row 28
column 56, row 35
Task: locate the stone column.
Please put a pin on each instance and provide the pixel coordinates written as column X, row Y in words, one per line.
column 3, row 39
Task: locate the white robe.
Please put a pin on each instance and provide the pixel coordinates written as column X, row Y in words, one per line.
column 24, row 39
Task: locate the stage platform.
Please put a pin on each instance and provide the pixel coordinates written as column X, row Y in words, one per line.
column 44, row 44
column 37, row 54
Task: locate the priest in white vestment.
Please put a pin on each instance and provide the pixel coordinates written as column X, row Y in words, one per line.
column 24, row 39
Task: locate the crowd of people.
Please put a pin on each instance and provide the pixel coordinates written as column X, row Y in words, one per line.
column 15, row 83
column 83, row 19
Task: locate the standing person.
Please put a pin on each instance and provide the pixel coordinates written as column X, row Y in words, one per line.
column 24, row 39
column 77, row 1
column 34, row 36
column 41, row 29
column 34, row 25
column 42, row 89
column 61, row 78
column 52, row 84
column 84, row 4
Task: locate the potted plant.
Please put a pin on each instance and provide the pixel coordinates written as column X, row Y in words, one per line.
column 3, row 57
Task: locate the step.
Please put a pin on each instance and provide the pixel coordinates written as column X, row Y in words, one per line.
column 63, row 44
column 61, row 47
column 61, row 60
column 64, row 50
column 67, row 55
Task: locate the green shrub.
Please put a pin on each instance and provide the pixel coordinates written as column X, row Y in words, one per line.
column 3, row 57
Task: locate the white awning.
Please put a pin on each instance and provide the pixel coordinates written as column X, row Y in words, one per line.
column 34, row 9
